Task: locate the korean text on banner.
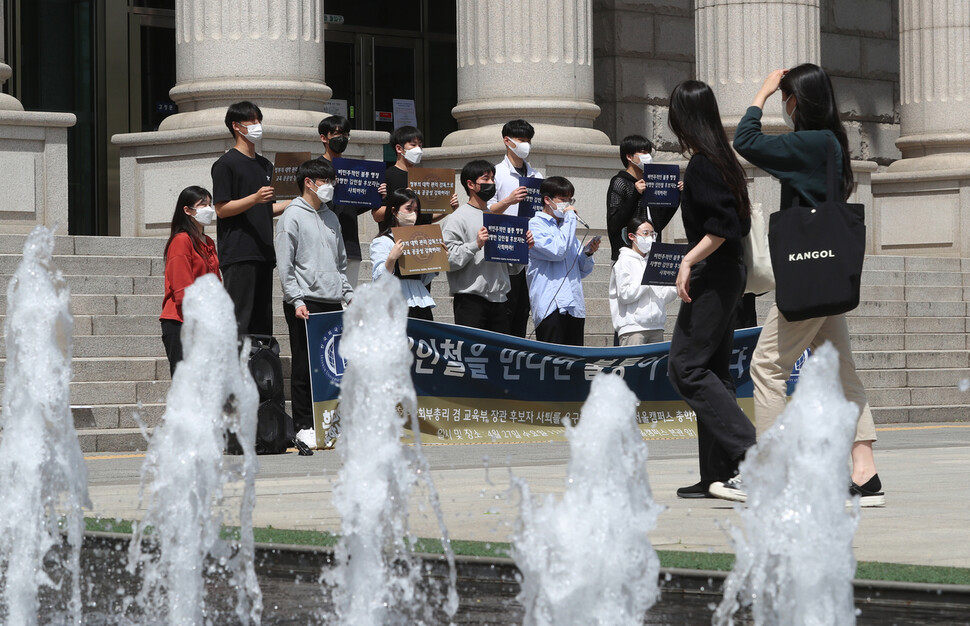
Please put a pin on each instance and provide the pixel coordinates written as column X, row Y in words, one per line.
column 476, row 386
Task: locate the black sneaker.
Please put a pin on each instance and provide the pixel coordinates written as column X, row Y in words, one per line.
column 732, row 490
column 697, row 490
column 870, row 494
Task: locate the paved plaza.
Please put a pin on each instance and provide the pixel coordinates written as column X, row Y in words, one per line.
column 923, row 468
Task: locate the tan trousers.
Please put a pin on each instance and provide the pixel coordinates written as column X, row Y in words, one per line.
column 780, row 345
column 642, row 337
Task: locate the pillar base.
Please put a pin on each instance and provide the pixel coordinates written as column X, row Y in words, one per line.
column 33, row 156
column 486, row 137
column 925, row 213
column 156, row 166
column 207, row 118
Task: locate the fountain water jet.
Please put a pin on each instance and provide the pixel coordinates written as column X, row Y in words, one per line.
column 376, row 578
column 586, row 558
column 41, row 466
column 794, row 560
column 185, row 472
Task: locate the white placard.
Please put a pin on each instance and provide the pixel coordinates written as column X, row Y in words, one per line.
column 404, row 113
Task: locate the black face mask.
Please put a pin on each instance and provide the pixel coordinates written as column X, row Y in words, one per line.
column 486, row 191
column 338, row 144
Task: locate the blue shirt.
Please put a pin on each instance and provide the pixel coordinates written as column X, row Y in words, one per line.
column 557, row 265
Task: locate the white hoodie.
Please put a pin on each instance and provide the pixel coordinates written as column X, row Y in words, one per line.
column 635, row 307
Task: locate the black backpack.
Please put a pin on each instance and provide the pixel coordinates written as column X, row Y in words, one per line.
column 274, row 427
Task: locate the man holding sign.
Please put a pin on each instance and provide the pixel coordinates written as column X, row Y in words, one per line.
column 313, row 265
column 244, row 204
column 510, row 192
column 557, row 265
column 479, row 288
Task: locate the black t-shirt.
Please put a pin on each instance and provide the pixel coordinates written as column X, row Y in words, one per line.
column 347, row 216
column 708, row 206
column 395, row 178
column 249, row 235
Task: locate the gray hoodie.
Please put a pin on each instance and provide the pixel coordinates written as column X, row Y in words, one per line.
column 310, row 255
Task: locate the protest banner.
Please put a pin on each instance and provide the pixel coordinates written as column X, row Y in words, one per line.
column 506, row 238
column 663, row 263
column 477, row 386
column 357, row 182
column 533, row 198
column 661, row 180
column 284, row 174
column 435, row 186
column 424, row 249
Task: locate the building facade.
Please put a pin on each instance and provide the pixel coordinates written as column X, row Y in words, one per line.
column 148, row 82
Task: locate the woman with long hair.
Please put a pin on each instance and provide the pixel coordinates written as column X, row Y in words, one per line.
column 189, row 254
column 716, row 213
column 403, row 209
column 798, row 160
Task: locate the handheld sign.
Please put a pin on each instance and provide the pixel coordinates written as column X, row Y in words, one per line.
column 533, row 199
column 435, row 186
column 284, row 174
column 663, row 263
column 357, row 182
column 661, row 191
column 506, row 238
column 424, row 249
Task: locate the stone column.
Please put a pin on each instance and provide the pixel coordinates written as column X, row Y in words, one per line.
column 267, row 51
column 738, row 44
column 934, row 107
column 531, row 60
column 922, row 203
column 270, row 52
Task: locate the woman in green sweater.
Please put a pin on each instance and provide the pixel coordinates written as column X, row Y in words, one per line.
column 797, row 160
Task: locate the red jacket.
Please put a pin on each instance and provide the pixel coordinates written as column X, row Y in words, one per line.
column 182, row 266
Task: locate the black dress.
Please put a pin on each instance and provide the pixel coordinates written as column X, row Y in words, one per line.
column 701, row 347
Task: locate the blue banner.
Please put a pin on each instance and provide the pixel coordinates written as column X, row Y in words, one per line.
column 357, row 182
column 533, row 198
column 506, row 238
column 479, row 386
column 661, row 188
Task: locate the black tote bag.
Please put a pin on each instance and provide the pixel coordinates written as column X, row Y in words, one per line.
column 817, row 254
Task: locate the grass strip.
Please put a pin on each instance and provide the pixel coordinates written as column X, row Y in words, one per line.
column 866, row 570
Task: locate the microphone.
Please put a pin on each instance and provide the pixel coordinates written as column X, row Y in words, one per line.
column 581, row 220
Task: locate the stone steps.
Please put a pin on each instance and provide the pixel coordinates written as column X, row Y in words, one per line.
column 910, row 332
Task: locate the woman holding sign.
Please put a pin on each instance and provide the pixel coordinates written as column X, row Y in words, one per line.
column 403, row 209
column 716, row 213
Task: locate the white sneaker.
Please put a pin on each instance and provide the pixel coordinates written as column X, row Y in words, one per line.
column 732, row 490
column 309, row 437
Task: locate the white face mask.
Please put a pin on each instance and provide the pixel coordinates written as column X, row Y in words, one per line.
column 643, row 159
column 204, row 215
column 254, row 133
column 521, row 150
column 406, row 219
column 413, row 155
column 325, row 193
column 645, row 242
column 789, row 122
column 559, row 209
